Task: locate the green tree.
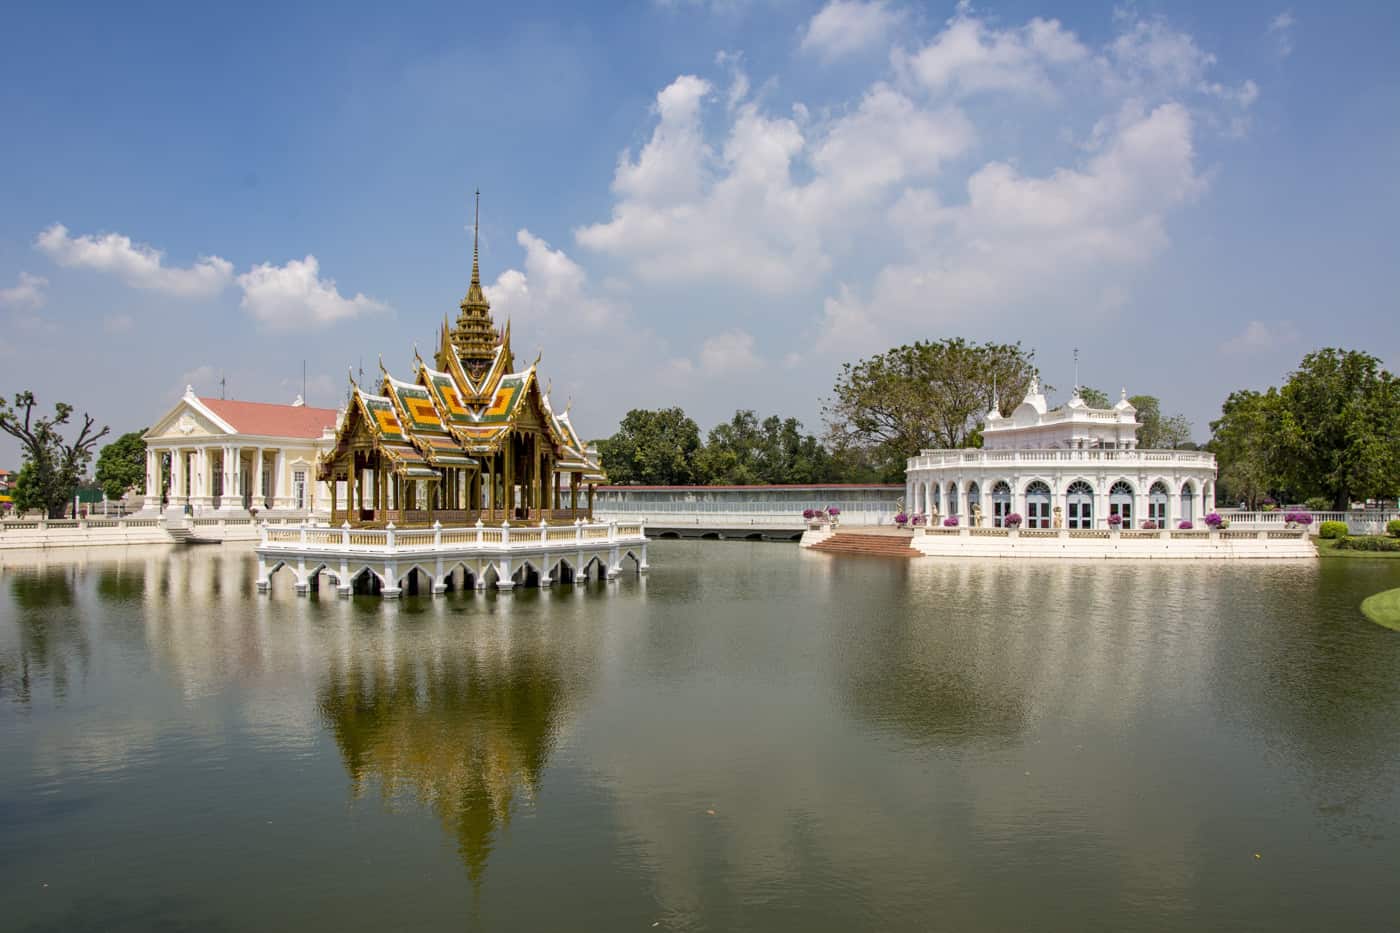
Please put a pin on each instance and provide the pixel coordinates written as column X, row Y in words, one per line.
column 1339, row 434
column 1159, row 432
column 1094, row 398
column 121, row 465
column 922, row 395
column 654, row 448
column 1245, row 443
column 744, row 451
column 55, row 466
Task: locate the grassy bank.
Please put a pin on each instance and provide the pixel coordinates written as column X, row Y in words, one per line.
column 1383, row 609
column 1327, row 547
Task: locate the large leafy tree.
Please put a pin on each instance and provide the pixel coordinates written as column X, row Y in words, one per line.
column 1245, row 443
column 744, row 451
column 122, row 465
column 928, row 394
column 1158, row 431
column 54, row 465
column 652, row 448
column 1339, row 431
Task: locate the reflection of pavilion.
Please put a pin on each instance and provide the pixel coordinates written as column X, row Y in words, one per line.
column 466, row 734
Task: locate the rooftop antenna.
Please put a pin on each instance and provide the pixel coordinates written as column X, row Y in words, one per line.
column 1076, row 372
column 303, row 380
column 223, row 386
column 996, row 402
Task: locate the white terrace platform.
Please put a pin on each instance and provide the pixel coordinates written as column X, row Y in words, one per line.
column 1230, row 544
column 387, row 560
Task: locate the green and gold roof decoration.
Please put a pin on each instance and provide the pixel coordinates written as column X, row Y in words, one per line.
column 469, row 404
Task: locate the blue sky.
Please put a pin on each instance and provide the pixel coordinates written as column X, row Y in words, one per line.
column 713, row 205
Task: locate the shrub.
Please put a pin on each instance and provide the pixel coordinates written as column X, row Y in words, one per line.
column 1115, row 521
column 808, row 513
column 1268, row 504
column 833, row 511
column 1367, row 544
column 1185, row 525
column 1298, row 517
column 1214, row 521
column 1013, row 520
column 1317, row 504
column 1332, row 530
column 901, row 519
column 1392, row 527
column 1149, row 525
column 950, row 522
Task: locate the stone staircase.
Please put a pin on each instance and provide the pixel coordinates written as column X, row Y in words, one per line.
column 870, row 545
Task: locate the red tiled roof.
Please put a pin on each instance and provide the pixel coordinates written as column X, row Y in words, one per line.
column 272, row 420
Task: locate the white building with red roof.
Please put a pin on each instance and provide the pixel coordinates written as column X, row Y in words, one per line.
column 224, row 455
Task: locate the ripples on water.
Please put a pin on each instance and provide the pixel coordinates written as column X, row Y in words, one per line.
column 753, row 737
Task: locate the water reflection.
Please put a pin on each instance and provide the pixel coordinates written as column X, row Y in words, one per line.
column 51, row 645
column 465, row 726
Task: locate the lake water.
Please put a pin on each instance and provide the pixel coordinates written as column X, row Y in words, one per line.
column 753, row 737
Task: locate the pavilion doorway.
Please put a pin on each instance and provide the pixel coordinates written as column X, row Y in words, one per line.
column 1188, row 501
column 1037, row 505
column 1120, row 502
column 1079, row 505
column 1157, row 504
column 1001, row 504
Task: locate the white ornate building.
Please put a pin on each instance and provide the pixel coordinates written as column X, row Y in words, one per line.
column 1070, row 467
column 226, row 456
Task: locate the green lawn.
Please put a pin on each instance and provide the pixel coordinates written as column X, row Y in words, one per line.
column 1383, row 608
column 1327, row 547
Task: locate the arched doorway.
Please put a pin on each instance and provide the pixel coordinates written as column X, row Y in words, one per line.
column 934, row 505
column 1120, row 502
column 952, row 498
column 1001, row 504
column 974, row 499
column 1037, row 505
column 1079, row 505
column 1157, row 504
column 1188, row 502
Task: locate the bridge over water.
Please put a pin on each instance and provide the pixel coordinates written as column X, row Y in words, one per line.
column 754, row 512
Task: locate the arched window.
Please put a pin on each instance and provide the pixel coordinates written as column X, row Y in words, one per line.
column 1079, row 505
column 1037, row 505
column 1157, row 503
column 974, row 497
column 1188, row 501
column 937, row 499
column 1001, row 504
column 952, row 498
column 1120, row 502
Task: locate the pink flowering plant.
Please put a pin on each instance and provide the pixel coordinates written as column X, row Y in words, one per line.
column 1115, row 520
column 1013, row 520
column 950, row 522
column 833, row 511
column 1215, row 521
column 917, row 519
column 1299, row 517
column 1185, row 525
column 1149, row 525
column 901, row 519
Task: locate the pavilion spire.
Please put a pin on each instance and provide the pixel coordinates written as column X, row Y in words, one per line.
column 474, row 337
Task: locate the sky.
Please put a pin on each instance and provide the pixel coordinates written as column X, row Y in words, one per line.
column 707, row 204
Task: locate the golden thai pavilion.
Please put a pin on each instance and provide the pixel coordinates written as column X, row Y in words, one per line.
column 469, row 438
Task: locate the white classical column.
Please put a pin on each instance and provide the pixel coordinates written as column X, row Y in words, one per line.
column 281, row 488
column 231, row 501
column 1101, row 502
column 259, row 487
column 152, row 503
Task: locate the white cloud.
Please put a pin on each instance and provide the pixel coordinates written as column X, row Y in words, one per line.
column 295, row 297
column 1281, row 32
column 551, row 295
column 136, row 264
column 728, row 354
column 1021, row 242
column 28, row 295
column 847, row 27
column 1261, row 337
column 971, row 57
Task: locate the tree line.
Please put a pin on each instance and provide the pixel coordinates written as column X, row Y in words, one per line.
column 1330, row 434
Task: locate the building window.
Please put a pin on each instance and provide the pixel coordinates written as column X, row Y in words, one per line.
column 1120, row 502
column 1157, row 504
column 1001, row 504
column 1037, row 505
column 299, row 488
column 1079, row 505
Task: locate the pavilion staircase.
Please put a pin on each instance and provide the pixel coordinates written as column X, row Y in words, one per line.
column 870, row 545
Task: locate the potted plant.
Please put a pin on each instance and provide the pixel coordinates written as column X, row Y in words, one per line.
column 1115, row 522
column 834, row 514
column 950, row 522
column 901, row 519
column 1149, row 525
column 1217, row 522
column 917, row 520
column 1298, row 518
column 1185, row 525
column 1268, row 504
column 1012, row 521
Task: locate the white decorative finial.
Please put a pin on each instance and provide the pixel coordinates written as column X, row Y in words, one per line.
column 189, row 391
column 1123, row 396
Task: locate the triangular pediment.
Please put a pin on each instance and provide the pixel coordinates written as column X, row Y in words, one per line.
column 186, row 420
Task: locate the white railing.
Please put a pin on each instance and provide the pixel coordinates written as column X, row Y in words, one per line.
column 976, row 456
column 481, row 537
column 1359, row 522
column 786, row 520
